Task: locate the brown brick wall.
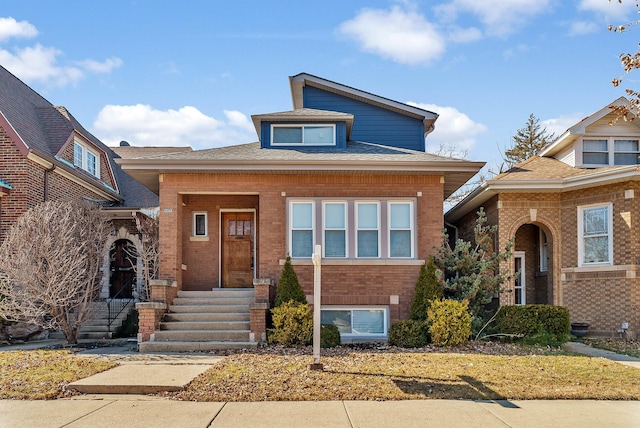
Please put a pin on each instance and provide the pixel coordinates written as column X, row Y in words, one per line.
column 353, row 285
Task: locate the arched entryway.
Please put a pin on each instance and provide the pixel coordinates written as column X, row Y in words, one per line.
column 122, row 281
column 533, row 263
column 110, row 254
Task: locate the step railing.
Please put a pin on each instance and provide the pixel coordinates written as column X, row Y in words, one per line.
column 118, row 303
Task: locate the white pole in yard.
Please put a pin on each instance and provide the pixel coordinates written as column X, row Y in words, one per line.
column 317, row 261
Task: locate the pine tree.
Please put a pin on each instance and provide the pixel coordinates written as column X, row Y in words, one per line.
column 427, row 289
column 289, row 287
column 528, row 141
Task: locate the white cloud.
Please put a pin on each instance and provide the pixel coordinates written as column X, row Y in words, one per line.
column 9, row 28
column 453, row 128
column 464, row 35
column 142, row 125
column 612, row 10
column 100, row 67
column 559, row 125
column 500, row 17
column 398, row 34
column 39, row 63
column 580, row 28
column 513, row 51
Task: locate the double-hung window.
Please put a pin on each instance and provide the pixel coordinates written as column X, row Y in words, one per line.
column 626, row 152
column 595, row 244
column 86, row 159
column 400, row 229
column 595, row 152
column 368, row 229
column 335, row 229
column 301, row 220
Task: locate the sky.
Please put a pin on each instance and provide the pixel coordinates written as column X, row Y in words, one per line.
column 170, row 73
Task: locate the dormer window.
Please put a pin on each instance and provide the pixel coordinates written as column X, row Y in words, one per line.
column 308, row 135
column 610, row 151
column 85, row 158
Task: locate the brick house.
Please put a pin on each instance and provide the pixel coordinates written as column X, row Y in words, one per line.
column 574, row 214
column 46, row 154
column 345, row 169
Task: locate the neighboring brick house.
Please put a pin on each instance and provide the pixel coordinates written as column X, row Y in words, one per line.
column 345, row 169
column 46, row 154
column 575, row 214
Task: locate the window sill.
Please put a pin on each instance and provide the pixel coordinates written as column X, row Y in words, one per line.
column 357, row 262
column 199, row 238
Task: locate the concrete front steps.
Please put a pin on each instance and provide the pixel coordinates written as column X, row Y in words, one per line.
column 205, row 321
column 98, row 327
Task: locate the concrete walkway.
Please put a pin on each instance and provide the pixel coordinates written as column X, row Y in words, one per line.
column 176, row 370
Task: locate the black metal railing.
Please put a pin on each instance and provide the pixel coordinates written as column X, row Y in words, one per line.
column 119, row 302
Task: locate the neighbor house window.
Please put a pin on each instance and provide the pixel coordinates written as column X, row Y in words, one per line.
column 595, row 152
column 626, row 152
column 302, row 230
column 85, row 158
column 314, row 135
column 595, row 225
column 400, row 229
column 356, row 321
column 200, row 227
column 335, row 229
column 367, row 229
column 610, row 151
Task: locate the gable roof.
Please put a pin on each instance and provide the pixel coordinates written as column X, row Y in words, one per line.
column 298, row 82
column 541, row 174
column 356, row 157
column 40, row 130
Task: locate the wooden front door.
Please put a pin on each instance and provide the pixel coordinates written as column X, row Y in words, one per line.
column 237, row 249
column 123, row 274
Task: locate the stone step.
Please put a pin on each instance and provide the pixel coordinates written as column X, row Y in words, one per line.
column 189, row 346
column 178, row 301
column 209, row 308
column 206, row 325
column 202, row 335
column 222, row 292
column 206, row 316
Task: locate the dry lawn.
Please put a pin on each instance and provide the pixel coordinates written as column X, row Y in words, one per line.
column 372, row 375
column 621, row 346
column 37, row 375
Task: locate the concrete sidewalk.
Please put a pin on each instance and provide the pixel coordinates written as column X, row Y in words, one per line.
column 142, row 411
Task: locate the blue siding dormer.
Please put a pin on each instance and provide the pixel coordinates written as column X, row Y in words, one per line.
column 266, row 135
column 372, row 123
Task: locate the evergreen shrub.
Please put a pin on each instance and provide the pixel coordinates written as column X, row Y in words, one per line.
column 329, row 336
column 289, row 287
column 409, row 333
column 292, row 324
column 540, row 324
column 427, row 289
column 450, row 322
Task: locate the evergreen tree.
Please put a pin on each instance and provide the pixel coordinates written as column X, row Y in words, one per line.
column 427, row 289
column 289, row 287
column 528, row 141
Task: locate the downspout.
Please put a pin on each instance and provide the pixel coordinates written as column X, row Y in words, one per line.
column 46, row 182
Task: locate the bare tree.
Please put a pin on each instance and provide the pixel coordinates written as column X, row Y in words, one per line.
column 630, row 62
column 49, row 266
column 149, row 229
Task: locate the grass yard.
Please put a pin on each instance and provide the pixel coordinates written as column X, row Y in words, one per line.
column 620, row 346
column 37, row 375
column 406, row 376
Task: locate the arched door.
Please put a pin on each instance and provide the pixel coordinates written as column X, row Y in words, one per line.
column 123, row 275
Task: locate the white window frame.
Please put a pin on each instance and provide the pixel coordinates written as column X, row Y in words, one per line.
column 303, row 126
column 292, row 229
column 83, row 162
column 544, row 250
column 411, row 228
column 345, row 229
column 610, row 152
column 358, row 228
column 383, row 309
column 608, row 234
column 194, row 231
column 523, row 282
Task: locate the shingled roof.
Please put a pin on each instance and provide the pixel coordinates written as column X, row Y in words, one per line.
column 41, row 128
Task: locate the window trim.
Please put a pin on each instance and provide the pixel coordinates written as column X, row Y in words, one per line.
column 291, row 229
column 194, row 231
column 411, row 228
column 543, row 264
column 84, row 160
column 302, row 126
column 357, row 227
column 611, row 150
column 609, row 234
column 345, row 204
column 523, row 279
column 351, row 308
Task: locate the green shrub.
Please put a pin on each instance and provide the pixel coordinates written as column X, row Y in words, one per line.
column 292, row 324
column 450, row 322
column 409, row 333
column 540, row 324
column 427, row 289
column 329, row 336
column 289, row 287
